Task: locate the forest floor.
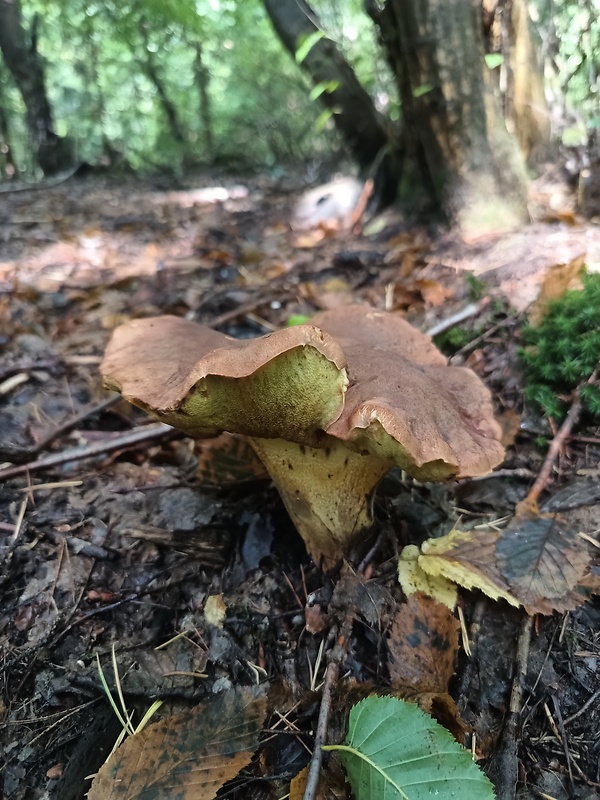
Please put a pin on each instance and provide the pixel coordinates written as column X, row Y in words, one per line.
column 173, row 563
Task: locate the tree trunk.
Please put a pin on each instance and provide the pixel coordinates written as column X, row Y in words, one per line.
column 354, row 113
column 202, row 80
column 168, row 107
column 51, row 152
column 522, row 84
column 8, row 167
column 452, row 124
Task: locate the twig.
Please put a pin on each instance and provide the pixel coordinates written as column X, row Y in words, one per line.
column 330, row 681
column 67, row 426
column 136, row 436
column 474, row 631
column 47, row 364
column 353, row 222
column 466, row 313
column 482, row 337
column 506, row 761
column 562, row 737
column 530, row 503
column 588, row 703
column 518, row 472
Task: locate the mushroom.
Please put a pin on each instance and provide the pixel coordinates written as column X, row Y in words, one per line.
column 329, row 407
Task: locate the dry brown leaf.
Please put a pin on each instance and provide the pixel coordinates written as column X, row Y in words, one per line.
column 189, row 756
column 545, row 563
column 332, row 783
column 535, row 561
column 556, row 282
column 432, row 292
column 510, row 422
column 215, row 610
column 442, row 707
column 423, row 644
column 467, row 558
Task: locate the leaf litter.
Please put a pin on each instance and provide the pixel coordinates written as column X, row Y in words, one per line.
column 125, row 547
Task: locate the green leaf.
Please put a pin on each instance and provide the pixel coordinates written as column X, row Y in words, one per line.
column 394, row 751
column 324, row 118
column 421, row 90
column 322, row 87
column 494, row 60
column 297, row 319
column 306, row 44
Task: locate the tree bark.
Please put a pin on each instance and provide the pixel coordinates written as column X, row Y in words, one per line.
column 354, row 113
column 149, row 67
column 51, row 152
column 202, row 81
column 525, row 107
column 452, row 125
column 8, row 167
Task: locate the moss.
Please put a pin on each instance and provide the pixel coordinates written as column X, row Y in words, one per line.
column 563, row 351
column 454, row 339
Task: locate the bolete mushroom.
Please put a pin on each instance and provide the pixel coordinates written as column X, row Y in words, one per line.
column 329, row 407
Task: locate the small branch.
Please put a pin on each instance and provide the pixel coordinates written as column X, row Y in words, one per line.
column 519, row 472
column 47, row 364
column 132, row 438
column 332, row 672
column 65, row 427
column 530, row 503
column 466, row 313
column 507, row 764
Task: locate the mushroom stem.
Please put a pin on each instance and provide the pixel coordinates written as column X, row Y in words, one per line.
column 326, row 491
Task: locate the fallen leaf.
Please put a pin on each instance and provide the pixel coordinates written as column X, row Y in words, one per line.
column 536, row 562
column 558, row 279
column 510, row 422
column 432, row 292
column 332, row 783
column 545, row 564
column 423, row 643
column 395, row 751
column 215, row 610
column 468, row 559
column 413, row 578
column 189, row 755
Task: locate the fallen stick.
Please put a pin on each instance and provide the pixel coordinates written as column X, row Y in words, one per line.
column 530, row 503
column 506, row 759
column 134, row 437
column 466, row 313
column 332, row 672
column 65, row 427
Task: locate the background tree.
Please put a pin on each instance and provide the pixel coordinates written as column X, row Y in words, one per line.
column 20, row 54
column 353, row 111
column 209, row 83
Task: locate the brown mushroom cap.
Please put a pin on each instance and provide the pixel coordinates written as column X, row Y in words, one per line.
column 324, row 441
column 405, row 404
column 287, row 384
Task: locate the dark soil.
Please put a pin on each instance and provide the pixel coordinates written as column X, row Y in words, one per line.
column 118, row 552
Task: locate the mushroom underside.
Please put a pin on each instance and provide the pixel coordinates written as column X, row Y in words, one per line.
column 327, row 491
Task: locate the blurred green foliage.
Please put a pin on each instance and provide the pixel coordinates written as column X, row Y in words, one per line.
column 97, row 55
column 570, row 32
column 237, row 100
column 563, row 351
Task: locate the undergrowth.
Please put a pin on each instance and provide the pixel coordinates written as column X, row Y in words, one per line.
column 563, row 351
